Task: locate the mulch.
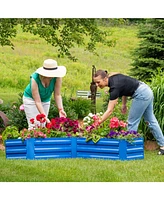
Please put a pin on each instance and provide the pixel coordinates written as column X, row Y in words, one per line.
column 1, row 144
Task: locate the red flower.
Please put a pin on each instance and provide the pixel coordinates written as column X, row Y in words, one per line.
column 41, row 118
column 32, row 120
column 49, row 125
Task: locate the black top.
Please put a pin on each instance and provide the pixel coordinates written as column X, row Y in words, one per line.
column 122, row 85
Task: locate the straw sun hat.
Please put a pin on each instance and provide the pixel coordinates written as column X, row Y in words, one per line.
column 51, row 69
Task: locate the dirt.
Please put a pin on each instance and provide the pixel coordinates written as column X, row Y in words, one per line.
column 151, row 145
column 1, row 144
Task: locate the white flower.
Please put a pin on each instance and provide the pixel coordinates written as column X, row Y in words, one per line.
column 86, row 119
column 90, row 115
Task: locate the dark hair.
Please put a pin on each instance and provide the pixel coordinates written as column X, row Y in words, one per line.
column 101, row 73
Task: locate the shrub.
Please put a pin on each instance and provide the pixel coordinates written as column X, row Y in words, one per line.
column 53, row 112
column 11, row 132
column 16, row 116
column 81, row 106
column 75, row 109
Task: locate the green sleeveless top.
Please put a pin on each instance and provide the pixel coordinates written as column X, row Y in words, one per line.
column 45, row 93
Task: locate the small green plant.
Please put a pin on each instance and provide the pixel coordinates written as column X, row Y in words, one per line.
column 11, row 132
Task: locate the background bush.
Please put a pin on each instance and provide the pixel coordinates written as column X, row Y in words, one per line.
column 76, row 108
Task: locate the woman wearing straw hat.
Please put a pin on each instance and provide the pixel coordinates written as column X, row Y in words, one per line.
column 37, row 95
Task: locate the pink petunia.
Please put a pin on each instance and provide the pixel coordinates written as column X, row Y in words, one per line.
column 114, row 122
column 21, row 107
column 123, row 124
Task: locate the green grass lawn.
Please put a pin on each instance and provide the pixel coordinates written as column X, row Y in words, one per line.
column 150, row 169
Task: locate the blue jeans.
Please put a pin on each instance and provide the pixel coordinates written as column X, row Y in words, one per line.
column 142, row 105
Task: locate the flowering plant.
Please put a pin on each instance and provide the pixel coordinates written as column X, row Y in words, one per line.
column 58, row 127
column 118, row 129
column 64, row 125
column 114, row 128
column 37, row 131
column 92, row 129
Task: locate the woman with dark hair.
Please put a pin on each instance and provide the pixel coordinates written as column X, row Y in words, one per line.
column 142, row 101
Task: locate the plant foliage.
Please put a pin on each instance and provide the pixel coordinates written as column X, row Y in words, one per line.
column 63, row 33
column 149, row 56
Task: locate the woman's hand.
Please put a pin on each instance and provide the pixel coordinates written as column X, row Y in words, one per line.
column 62, row 113
column 47, row 120
column 124, row 109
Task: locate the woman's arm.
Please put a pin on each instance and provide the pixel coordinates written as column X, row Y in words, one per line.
column 36, row 97
column 109, row 110
column 58, row 98
column 124, row 108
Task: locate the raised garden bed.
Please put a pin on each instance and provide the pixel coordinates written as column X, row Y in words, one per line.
column 51, row 148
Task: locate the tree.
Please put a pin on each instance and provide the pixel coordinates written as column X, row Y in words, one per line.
column 149, row 56
column 7, row 31
column 61, row 33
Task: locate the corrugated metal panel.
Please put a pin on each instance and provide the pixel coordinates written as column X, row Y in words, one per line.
column 50, row 148
column 52, row 141
column 15, row 149
column 15, row 142
column 98, row 156
column 102, row 141
column 103, row 149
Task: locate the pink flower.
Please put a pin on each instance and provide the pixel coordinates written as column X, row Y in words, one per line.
column 21, row 107
column 123, row 124
column 95, row 118
column 114, row 122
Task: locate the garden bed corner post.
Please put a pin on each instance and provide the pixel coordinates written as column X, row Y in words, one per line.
column 30, row 148
column 74, row 147
column 122, row 150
